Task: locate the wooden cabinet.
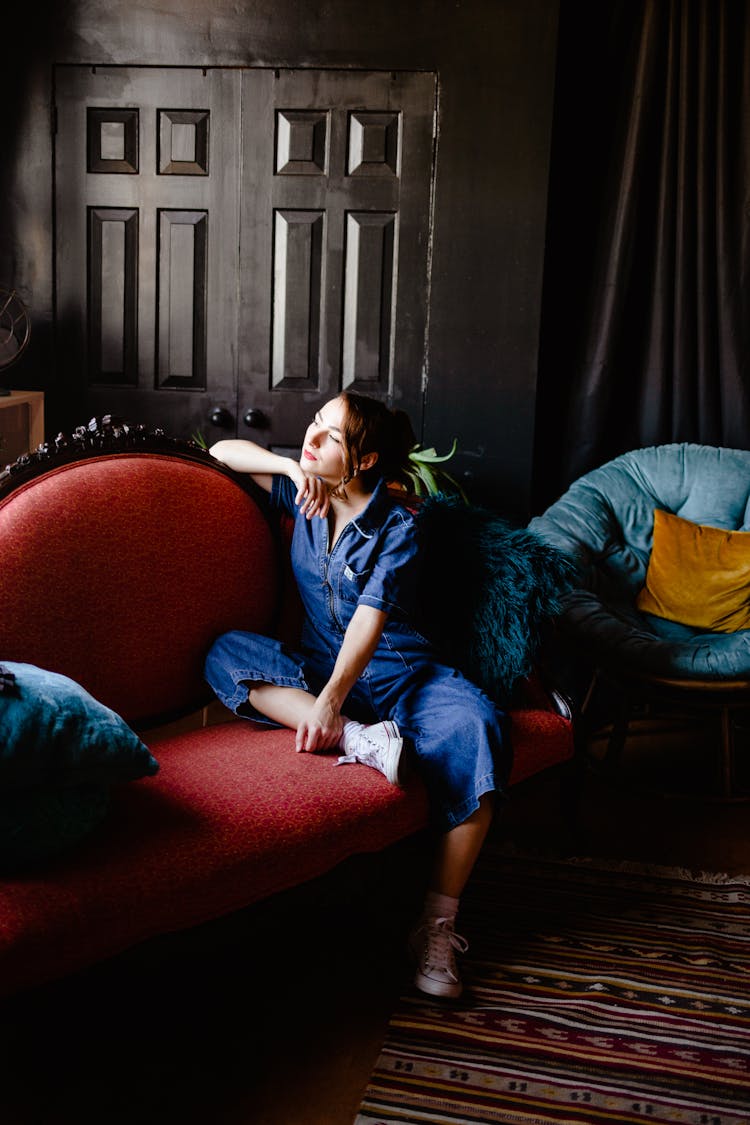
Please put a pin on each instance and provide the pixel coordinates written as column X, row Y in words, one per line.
column 21, row 424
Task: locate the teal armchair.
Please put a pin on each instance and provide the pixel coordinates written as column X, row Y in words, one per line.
column 604, row 524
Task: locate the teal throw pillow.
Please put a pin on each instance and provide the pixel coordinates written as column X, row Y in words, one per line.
column 53, row 732
column 60, row 753
column 40, row 823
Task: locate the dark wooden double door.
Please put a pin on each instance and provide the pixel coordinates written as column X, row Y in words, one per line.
column 234, row 246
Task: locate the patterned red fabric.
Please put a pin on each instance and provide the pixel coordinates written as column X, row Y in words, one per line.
column 541, row 739
column 234, row 815
column 120, row 571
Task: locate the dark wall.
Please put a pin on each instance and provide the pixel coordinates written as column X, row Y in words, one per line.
column 495, row 61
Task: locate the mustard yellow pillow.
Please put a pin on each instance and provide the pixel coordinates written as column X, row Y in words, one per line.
column 698, row 575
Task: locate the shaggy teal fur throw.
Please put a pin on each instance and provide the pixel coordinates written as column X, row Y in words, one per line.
column 487, row 591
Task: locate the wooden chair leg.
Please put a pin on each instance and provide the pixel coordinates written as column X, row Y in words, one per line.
column 727, row 753
column 618, row 735
column 617, row 738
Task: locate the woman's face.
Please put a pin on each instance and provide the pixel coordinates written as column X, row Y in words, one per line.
column 323, row 447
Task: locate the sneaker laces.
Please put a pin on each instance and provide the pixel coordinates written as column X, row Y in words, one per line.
column 441, row 941
column 373, row 747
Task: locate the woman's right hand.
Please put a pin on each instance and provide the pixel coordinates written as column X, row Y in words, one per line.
column 321, row 729
column 312, row 496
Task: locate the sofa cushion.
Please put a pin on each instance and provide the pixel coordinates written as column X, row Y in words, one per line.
column 234, row 815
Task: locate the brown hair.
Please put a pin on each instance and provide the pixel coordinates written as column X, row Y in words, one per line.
column 371, row 427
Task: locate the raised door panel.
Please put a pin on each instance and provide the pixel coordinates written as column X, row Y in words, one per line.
column 335, row 242
column 282, row 217
column 147, row 244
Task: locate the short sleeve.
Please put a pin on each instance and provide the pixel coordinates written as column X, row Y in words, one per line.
column 283, row 492
column 392, row 584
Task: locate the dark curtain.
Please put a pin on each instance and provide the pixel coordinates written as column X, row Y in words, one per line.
column 646, row 308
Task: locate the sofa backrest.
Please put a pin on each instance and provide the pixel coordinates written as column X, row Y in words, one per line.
column 119, row 570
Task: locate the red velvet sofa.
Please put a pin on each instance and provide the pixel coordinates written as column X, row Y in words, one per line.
column 122, row 556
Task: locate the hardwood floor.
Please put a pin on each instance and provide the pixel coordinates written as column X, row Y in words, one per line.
column 275, row 1017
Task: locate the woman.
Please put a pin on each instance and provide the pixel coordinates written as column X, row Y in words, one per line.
column 365, row 678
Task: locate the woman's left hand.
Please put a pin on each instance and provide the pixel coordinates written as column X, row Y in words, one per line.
column 321, row 729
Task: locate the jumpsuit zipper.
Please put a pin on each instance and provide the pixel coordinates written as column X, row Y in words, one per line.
column 327, row 563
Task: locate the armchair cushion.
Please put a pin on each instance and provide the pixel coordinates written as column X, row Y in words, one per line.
column 698, row 575
column 604, row 524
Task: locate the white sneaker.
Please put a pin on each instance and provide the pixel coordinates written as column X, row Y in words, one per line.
column 433, row 944
column 378, row 745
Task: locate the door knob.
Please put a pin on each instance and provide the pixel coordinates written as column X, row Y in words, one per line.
column 221, row 417
column 256, row 419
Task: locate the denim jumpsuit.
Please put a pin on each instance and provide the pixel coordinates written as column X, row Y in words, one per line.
column 458, row 734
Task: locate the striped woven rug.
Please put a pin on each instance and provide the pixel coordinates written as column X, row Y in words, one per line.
column 594, row 994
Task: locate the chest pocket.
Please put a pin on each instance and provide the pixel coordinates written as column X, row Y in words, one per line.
column 352, row 584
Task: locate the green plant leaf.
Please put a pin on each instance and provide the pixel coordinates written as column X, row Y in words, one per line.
column 416, row 482
column 431, row 455
column 426, row 477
